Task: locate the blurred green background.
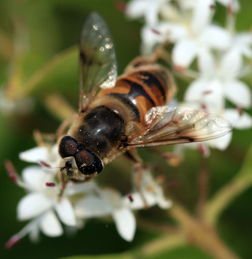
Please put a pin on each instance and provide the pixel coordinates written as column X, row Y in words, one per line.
column 36, row 31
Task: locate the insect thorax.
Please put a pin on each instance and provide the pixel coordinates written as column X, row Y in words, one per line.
column 100, row 130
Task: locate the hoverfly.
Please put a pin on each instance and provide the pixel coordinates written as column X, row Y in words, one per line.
column 120, row 114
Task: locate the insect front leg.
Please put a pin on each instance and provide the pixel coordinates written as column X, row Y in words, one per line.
column 64, row 125
column 138, row 173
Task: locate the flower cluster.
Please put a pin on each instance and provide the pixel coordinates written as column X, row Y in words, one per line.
column 212, row 56
column 47, row 211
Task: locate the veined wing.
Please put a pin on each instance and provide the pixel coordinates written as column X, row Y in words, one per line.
column 97, row 56
column 165, row 125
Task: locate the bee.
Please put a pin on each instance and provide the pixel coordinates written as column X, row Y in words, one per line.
column 117, row 115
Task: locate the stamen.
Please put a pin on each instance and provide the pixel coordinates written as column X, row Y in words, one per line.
column 212, row 6
column 203, row 106
column 11, row 171
column 44, row 164
column 121, row 6
column 172, row 159
column 50, row 184
column 130, row 198
column 156, row 31
column 240, row 110
column 206, row 92
column 179, row 68
column 13, row 240
column 230, row 10
column 160, row 179
column 203, row 150
column 167, row 155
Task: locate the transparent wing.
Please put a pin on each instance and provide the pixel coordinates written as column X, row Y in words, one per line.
column 165, row 125
column 97, row 56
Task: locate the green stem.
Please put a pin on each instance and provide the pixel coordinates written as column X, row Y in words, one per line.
column 201, row 235
column 228, row 193
column 38, row 76
column 164, row 243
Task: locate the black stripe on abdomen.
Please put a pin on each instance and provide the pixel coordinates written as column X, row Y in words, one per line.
column 150, row 79
column 137, row 90
column 125, row 99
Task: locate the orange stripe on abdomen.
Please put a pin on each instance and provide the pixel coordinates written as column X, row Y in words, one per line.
column 140, row 91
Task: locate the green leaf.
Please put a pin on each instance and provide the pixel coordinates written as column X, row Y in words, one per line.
column 110, row 256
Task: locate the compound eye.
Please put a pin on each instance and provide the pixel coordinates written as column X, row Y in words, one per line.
column 68, row 146
column 88, row 163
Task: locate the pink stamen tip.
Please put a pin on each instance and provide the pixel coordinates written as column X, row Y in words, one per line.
column 207, row 92
column 156, row 31
column 50, row 184
column 179, row 68
column 212, row 6
column 203, row 106
column 11, row 171
column 13, row 240
column 160, row 178
column 121, row 6
column 203, row 150
column 240, row 110
column 230, row 10
column 167, row 155
column 44, row 164
column 130, row 198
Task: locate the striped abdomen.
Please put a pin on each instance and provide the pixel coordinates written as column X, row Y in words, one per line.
column 142, row 89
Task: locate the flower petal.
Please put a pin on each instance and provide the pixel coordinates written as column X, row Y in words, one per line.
column 50, row 225
column 32, row 205
column 206, row 92
column 184, row 52
column 231, row 64
column 238, row 93
column 34, row 155
column 125, row 223
column 201, row 15
column 222, row 142
column 92, row 207
column 66, row 213
column 35, row 177
column 238, row 121
column 206, row 62
column 216, row 37
column 195, row 89
column 136, row 9
column 150, row 39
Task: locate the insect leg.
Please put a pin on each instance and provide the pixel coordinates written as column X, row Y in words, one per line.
column 43, row 139
column 64, row 181
column 64, row 125
column 138, row 177
column 138, row 173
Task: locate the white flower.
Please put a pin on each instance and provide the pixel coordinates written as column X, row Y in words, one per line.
column 148, row 9
column 40, row 155
column 241, row 44
column 42, row 204
column 149, row 194
column 192, row 34
column 238, row 120
column 109, row 202
column 218, row 81
column 46, row 210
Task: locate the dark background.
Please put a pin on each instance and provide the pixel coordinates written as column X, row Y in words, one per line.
column 53, row 26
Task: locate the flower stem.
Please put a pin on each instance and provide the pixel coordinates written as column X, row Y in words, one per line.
column 201, row 235
column 228, row 193
column 164, row 243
